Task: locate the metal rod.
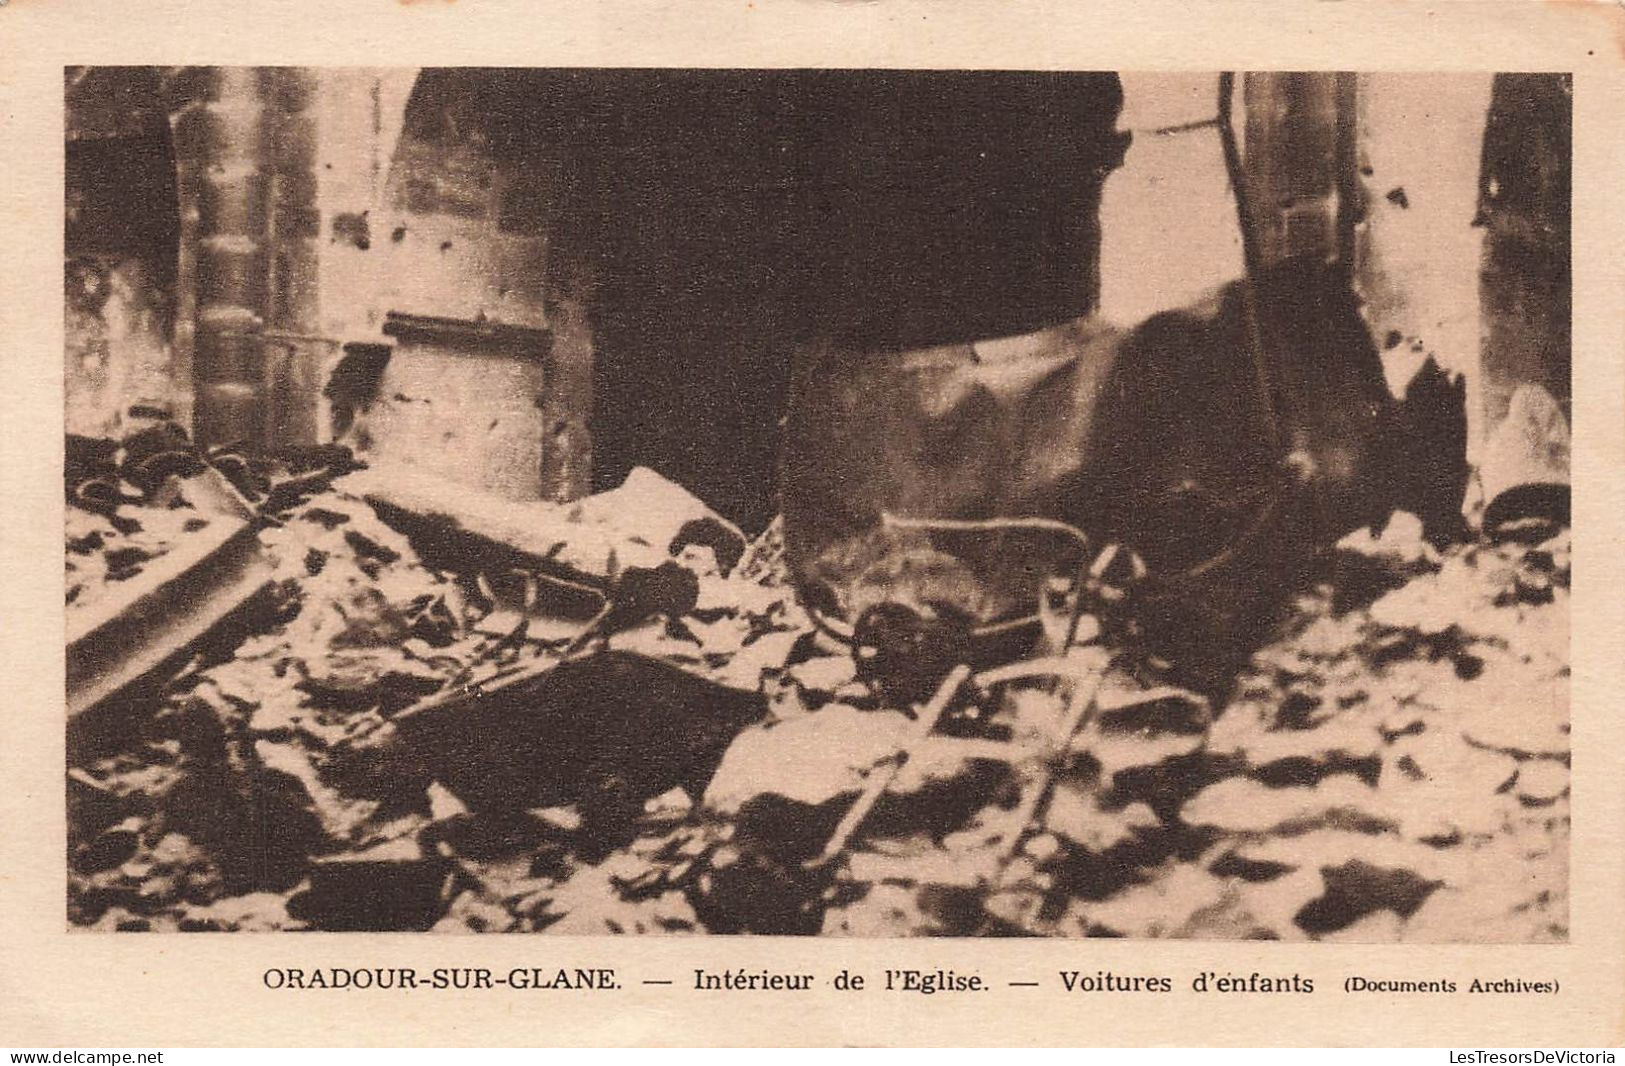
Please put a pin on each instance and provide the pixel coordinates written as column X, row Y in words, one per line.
column 885, row 775
column 1186, row 127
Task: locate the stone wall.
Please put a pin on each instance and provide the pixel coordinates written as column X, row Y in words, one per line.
column 439, row 227
column 338, row 197
column 298, row 209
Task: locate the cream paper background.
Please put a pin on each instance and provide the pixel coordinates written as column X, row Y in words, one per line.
column 61, row 989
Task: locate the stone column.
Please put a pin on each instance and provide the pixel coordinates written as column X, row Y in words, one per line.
column 1419, row 139
column 276, row 167
column 294, row 351
column 218, row 118
column 1298, row 137
column 1524, row 197
column 1524, row 289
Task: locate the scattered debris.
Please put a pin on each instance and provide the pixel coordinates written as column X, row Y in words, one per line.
column 591, row 730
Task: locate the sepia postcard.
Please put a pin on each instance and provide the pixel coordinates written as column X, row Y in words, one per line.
column 813, row 523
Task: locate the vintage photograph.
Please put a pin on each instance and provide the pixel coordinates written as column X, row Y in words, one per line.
column 826, row 502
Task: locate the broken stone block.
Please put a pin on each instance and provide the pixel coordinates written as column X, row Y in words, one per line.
column 633, row 525
column 566, row 819
column 824, row 675
column 1445, row 757
column 443, row 804
column 1017, row 908
column 673, row 801
column 1441, row 808
column 1401, row 539
column 1161, row 905
column 394, row 887
column 1525, row 466
column 1437, row 605
column 1327, row 639
column 608, row 731
column 1242, row 805
column 810, row 759
column 111, row 847
column 1525, row 719
column 1042, row 847
column 1074, row 814
column 1356, row 889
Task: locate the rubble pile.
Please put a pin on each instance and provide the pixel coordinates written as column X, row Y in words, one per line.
column 106, row 549
column 278, row 780
column 127, row 508
column 1394, row 766
column 679, row 748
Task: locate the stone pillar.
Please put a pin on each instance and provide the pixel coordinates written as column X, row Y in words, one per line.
column 294, row 352
column 220, row 135
column 1524, row 198
column 277, row 168
column 1524, row 287
column 1463, row 241
column 1298, row 136
column 1419, row 138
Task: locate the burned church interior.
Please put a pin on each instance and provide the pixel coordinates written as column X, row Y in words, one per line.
column 818, row 502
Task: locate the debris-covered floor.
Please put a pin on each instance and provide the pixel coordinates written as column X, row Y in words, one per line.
column 1392, row 765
